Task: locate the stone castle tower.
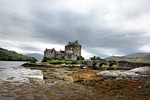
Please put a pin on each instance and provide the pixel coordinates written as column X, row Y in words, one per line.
column 72, row 51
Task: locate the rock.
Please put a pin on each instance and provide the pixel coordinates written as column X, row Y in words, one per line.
column 135, row 74
column 119, row 96
column 139, row 87
column 118, row 74
column 141, row 70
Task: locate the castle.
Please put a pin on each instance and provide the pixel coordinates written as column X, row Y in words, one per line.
column 72, row 51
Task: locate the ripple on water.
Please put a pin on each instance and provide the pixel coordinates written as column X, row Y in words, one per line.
column 11, row 73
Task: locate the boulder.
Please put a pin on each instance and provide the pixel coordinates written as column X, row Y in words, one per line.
column 141, row 70
column 135, row 74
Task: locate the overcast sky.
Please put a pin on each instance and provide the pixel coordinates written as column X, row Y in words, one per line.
column 102, row 27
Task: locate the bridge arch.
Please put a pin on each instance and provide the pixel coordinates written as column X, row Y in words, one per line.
column 94, row 65
column 101, row 64
column 111, row 64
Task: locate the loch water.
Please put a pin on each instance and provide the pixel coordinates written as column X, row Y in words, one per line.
column 12, row 71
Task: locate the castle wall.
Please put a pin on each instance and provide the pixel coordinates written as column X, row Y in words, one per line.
column 49, row 54
column 70, row 57
column 76, row 50
column 59, row 55
column 69, row 49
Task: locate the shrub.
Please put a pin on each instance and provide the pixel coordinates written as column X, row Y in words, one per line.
column 33, row 60
column 80, row 58
column 74, row 62
column 80, row 62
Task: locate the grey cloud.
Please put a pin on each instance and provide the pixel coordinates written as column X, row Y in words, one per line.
column 101, row 27
column 29, row 48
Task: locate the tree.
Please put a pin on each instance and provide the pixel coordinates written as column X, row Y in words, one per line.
column 98, row 58
column 33, row 60
column 95, row 58
column 80, row 58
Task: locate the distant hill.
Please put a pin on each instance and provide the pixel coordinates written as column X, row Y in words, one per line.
column 114, row 58
column 147, row 57
column 39, row 57
column 7, row 55
column 136, row 57
column 1, row 48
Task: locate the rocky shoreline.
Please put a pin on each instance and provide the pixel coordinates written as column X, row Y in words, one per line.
column 74, row 83
column 131, row 80
column 140, row 73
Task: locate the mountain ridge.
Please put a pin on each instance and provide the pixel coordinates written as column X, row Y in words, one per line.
column 138, row 55
column 9, row 55
column 38, row 56
column 135, row 57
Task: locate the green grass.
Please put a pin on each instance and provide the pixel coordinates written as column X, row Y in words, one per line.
column 104, row 67
column 67, row 62
column 147, row 75
column 114, row 66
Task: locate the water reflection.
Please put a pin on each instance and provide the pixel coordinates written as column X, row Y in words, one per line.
column 12, row 72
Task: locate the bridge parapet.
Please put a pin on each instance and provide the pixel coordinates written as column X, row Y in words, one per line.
column 120, row 64
column 126, row 64
column 99, row 63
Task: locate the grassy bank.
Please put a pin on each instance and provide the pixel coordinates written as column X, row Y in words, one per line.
column 67, row 62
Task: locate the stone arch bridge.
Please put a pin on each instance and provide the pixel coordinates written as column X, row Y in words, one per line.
column 120, row 64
